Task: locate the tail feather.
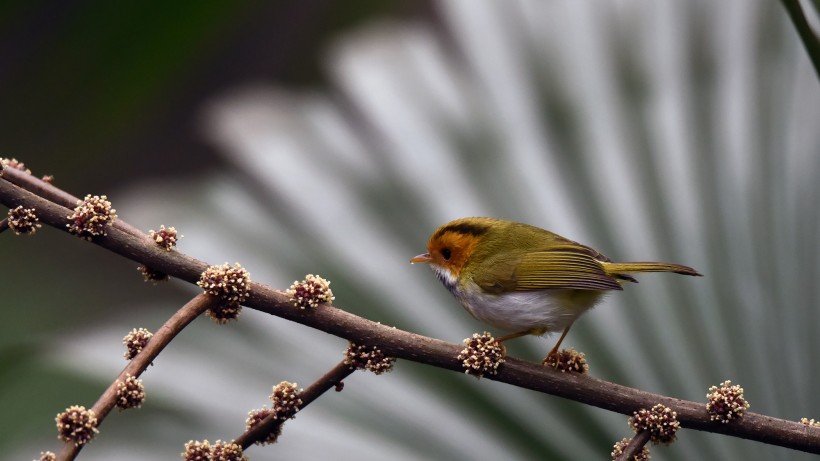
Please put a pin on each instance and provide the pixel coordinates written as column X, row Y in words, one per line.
column 619, row 270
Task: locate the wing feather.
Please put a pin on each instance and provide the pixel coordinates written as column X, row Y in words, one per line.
column 563, row 268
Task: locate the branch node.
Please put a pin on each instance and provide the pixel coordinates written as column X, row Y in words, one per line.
column 568, row 361
column 726, row 403
column 633, row 449
column 77, row 425
column 367, row 357
column 660, row 422
column 232, row 285
column 310, row 292
column 482, row 355
column 91, row 217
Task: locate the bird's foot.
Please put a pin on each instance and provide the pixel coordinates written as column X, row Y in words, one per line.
column 567, row 360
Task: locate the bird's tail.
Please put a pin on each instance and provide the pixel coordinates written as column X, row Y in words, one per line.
column 620, row 270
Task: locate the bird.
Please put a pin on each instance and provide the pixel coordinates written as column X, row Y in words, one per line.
column 523, row 279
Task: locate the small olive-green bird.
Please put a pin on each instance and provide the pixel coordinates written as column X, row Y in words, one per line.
column 524, row 279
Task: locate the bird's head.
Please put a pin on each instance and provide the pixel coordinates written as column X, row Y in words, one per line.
column 452, row 245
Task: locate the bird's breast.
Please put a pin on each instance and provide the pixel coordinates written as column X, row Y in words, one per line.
column 548, row 310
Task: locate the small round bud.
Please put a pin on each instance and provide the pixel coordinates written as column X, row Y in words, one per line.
column 370, row 358
column 76, row 425
column 483, row 354
column 131, row 393
column 46, row 456
column 197, row 451
column 48, row 178
column 310, row 292
column 568, row 361
column 23, row 220
column 135, row 342
column 661, row 422
column 286, row 401
column 255, row 417
column 726, row 402
column 619, row 448
column 231, row 284
column 164, row 238
column 91, row 217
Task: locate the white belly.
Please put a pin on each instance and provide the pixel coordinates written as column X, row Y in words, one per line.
column 547, row 310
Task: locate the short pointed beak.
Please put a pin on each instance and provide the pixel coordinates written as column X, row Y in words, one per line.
column 422, row 258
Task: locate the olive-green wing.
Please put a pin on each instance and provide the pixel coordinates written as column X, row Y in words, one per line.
column 563, row 268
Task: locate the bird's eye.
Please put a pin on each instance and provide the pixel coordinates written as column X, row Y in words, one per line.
column 446, row 254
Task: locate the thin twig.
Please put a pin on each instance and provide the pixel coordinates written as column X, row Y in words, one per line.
column 56, row 195
column 402, row 344
column 634, row 446
column 141, row 361
column 4, row 224
column 271, row 424
column 810, row 40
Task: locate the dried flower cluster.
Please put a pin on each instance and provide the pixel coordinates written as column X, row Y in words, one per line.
column 619, row 448
column 130, row 393
column 483, row 354
column 231, row 284
column 285, row 399
column 255, row 417
column 726, row 402
column 310, row 292
column 286, row 403
column 91, row 217
column 227, row 451
column 569, row 361
column 368, row 357
column 164, row 238
column 219, row 451
column 14, row 163
column 46, row 456
column 661, row 422
column 135, row 342
column 197, row 451
column 76, row 425
column 23, row 220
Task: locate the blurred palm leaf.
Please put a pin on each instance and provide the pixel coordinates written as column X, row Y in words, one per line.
column 680, row 131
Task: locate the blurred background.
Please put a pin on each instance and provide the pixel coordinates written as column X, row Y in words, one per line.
column 333, row 137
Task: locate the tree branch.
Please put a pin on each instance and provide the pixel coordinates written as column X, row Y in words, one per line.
column 810, row 40
column 430, row 351
column 634, row 446
column 270, row 424
column 138, row 364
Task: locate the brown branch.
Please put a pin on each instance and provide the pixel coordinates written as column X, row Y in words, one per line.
column 634, row 446
column 809, row 38
column 50, row 192
column 410, row 346
column 271, row 424
column 138, row 364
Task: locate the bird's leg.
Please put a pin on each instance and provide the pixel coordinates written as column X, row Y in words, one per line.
column 513, row 336
column 501, row 339
column 554, row 350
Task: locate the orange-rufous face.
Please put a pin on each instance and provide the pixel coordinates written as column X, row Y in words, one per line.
column 449, row 250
